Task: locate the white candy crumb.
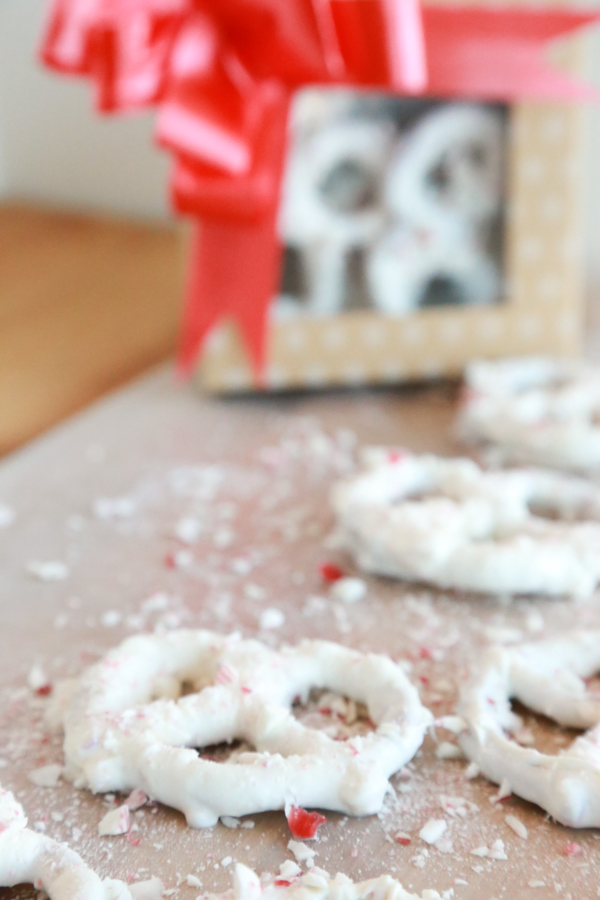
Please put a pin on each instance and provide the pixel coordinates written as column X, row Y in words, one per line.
column 115, row 822
column 517, row 826
column 480, row 851
column 446, row 750
column 249, row 823
column 349, row 590
column 230, row 822
column 455, row 724
column 192, row 881
column 301, row 851
column 432, row 830
column 226, row 861
column 147, row 890
column 107, row 508
column 188, row 530
column 50, row 570
column 111, row 618
column 497, row 850
column 7, row 515
column 536, row 883
column 270, row 619
column 37, row 678
column 472, row 771
column 46, row 776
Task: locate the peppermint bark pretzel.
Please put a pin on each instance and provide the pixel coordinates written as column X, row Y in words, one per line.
column 449, row 523
column 29, row 857
column 131, row 724
column 547, row 677
column 534, row 410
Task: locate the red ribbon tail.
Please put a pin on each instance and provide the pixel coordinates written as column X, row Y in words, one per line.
column 233, row 275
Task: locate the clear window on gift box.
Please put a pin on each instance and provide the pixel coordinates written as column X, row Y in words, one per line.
column 418, row 234
column 392, row 204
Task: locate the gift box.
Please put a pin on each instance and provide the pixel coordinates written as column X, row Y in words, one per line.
column 380, row 191
column 386, row 306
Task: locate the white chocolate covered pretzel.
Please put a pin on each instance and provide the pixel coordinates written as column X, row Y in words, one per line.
column 138, row 718
column 28, row 857
column 315, row 885
column 449, row 523
column 534, row 410
column 548, row 678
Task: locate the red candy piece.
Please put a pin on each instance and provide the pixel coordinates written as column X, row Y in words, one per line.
column 572, row 849
column 44, row 690
column 304, row 824
column 330, row 572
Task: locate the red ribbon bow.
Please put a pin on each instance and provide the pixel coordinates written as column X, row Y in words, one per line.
column 222, row 73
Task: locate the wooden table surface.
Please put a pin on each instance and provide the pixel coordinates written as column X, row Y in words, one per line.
column 86, row 303
column 255, row 474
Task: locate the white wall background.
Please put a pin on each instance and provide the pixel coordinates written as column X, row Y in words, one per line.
column 53, row 148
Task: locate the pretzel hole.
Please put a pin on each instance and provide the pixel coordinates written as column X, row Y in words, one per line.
column 225, row 752
column 338, row 716
column 172, row 688
column 544, row 508
column 540, row 732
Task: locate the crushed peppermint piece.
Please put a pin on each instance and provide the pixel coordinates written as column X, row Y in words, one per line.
column 572, row 849
column 480, row 851
column 432, row 830
column 226, row 861
column 136, row 799
column 115, row 822
column 517, row 826
column 230, row 822
column 46, row 776
column 271, row 619
column 49, row 570
column 402, row 838
column 303, row 824
column 330, row 572
column 289, row 870
column 193, row 881
column 301, row 851
column 349, row 590
column 535, row 883
column 472, row 771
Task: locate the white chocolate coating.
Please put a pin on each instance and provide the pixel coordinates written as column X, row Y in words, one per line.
column 127, row 725
column 546, row 677
column 28, row 857
column 535, row 410
column 449, row 523
column 317, row 885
